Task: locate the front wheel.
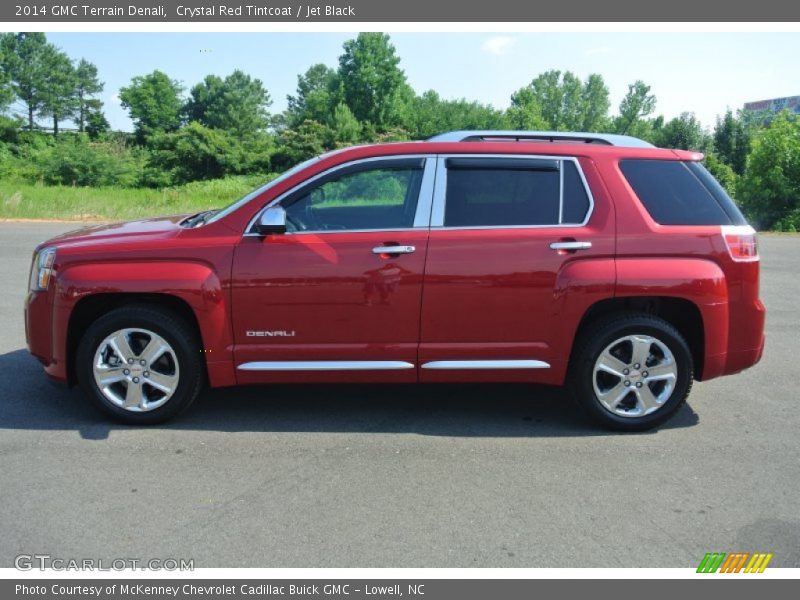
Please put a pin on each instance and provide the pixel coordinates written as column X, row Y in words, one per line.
column 141, row 365
column 631, row 372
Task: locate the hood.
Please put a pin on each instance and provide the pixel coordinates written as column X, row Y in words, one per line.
column 160, row 227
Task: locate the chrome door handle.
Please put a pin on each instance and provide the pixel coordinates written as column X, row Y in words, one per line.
column 393, row 249
column 570, row 245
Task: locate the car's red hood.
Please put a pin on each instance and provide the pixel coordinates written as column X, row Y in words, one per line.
column 145, row 228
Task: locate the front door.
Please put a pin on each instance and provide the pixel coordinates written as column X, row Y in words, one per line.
column 337, row 297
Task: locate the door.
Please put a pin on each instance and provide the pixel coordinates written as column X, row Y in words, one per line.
column 337, row 297
column 502, row 231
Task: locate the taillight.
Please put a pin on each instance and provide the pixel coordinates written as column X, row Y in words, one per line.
column 741, row 242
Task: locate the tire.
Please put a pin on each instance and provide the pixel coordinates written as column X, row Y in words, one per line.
column 620, row 389
column 141, row 365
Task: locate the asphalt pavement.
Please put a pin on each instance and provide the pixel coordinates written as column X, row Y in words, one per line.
column 402, row 476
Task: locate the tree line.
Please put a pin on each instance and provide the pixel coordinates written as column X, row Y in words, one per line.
column 223, row 126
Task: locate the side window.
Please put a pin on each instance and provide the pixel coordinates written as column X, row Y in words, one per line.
column 576, row 200
column 513, row 192
column 675, row 193
column 379, row 198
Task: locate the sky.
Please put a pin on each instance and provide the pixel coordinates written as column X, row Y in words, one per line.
column 704, row 73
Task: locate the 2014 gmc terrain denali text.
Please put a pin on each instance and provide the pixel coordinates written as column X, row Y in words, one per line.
column 599, row 262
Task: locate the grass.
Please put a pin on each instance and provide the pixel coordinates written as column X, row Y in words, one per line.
column 19, row 200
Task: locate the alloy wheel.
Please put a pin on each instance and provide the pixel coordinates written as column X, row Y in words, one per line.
column 136, row 369
column 634, row 375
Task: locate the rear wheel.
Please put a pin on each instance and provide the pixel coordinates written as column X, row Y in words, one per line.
column 141, row 365
column 631, row 372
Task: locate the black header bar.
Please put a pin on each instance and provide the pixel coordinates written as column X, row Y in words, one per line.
column 359, row 11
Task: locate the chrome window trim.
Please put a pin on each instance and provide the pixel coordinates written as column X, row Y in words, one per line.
column 326, row 365
column 440, row 192
column 561, row 192
column 424, row 201
column 485, row 364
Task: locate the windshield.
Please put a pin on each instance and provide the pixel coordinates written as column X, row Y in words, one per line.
column 257, row 192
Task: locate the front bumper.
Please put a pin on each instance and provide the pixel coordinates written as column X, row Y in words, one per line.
column 39, row 334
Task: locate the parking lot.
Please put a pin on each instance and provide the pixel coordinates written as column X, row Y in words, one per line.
column 402, row 476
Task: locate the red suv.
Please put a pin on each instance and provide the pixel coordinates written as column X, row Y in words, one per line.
column 597, row 261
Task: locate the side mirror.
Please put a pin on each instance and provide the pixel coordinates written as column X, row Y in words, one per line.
column 271, row 221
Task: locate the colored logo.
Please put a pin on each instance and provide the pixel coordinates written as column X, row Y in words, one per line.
column 736, row 562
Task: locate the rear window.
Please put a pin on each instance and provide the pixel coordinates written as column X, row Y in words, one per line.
column 680, row 193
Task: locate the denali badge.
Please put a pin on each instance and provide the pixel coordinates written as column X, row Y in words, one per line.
column 270, row 333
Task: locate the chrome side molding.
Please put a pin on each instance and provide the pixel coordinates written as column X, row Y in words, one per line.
column 387, row 365
column 485, row 364
column 326, row 365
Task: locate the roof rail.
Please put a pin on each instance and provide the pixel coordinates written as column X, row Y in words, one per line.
column 607, row 139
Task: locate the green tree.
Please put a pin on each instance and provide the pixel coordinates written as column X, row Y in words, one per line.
column 770, row 187
column 24, row 57
column 196, row 152
column 316, row 91
column 300, row 143
column 58, row 97
column 563, row 102
column 525, row 111
column 346, row 128
column 87, row 85
column 371, row 82
column 429, row 114
column 96, row 124
column 154, row 103
column 637, row 104
column 6, row 91
column 732, row 138
column 238, row 104
column 595, row 104
column 684, row 132
column 722, row 172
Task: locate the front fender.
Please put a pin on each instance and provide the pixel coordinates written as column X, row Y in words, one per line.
column 196, row 283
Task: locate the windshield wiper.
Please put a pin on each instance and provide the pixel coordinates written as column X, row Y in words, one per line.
column 199, row 218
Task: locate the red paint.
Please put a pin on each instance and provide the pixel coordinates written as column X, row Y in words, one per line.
column 464, row 294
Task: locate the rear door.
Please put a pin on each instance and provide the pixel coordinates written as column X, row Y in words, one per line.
column 337, row 297
column 502, row 230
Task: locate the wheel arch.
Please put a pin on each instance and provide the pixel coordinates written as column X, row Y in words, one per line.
column 91, row 307
column 191, row 289
column 681, row 313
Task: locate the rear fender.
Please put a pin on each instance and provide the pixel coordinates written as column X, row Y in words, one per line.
column 701, row 282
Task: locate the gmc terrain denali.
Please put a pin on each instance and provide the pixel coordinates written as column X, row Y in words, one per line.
column 597, row 261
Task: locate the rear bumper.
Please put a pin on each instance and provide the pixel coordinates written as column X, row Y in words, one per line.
column 746, row 342
column 743, row 359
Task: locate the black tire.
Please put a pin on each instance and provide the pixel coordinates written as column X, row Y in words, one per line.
column 581, row 377
column 180, row 336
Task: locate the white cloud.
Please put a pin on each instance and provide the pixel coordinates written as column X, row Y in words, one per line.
column 498, row 44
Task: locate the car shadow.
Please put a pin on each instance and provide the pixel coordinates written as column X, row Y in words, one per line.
column 29, row 401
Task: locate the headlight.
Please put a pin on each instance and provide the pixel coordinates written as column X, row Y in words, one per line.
column 42, row 269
